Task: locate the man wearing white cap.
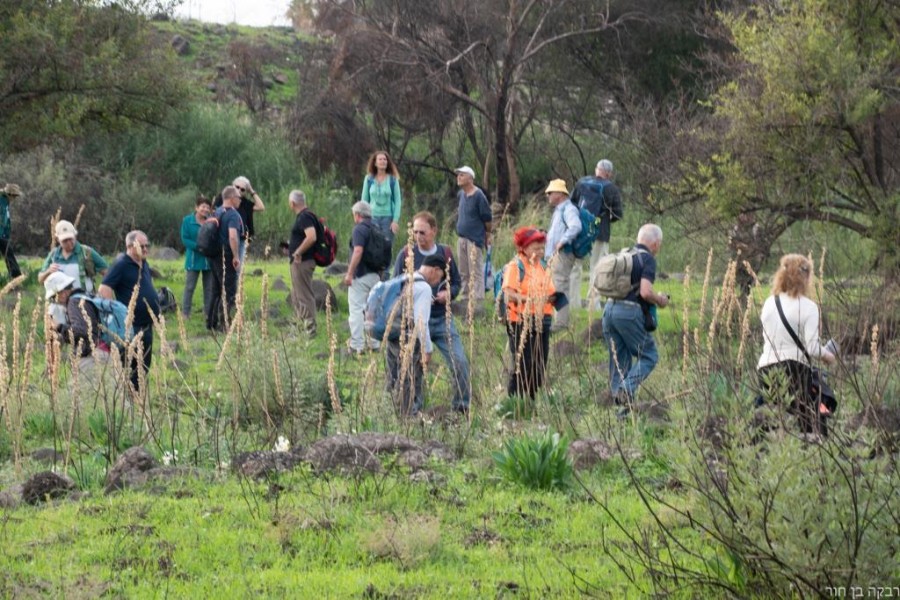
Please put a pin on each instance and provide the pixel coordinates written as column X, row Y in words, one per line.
column 564, row 228
column 77, row 260
column 473, row 225
column 10, row 192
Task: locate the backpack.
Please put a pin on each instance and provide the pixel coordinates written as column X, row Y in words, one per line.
column 113, row 315
column 167, row 301
column 377, row 252
column 499, row 296
column 326, row 244
column 612, row 275
column 590, row 229
column 384, row 308
column 208, row 243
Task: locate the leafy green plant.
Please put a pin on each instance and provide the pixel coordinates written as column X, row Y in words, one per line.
column 539, row 462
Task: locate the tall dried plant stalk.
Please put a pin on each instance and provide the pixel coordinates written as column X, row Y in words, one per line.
column 12, row 284
column 704, row 293
column 685, row 323
column 713, row 323
column 873, row 350
column 729, row 298
column 332, row 352
column 264, row 306
column 820, row 283
column 745, row 330
column 182, row 331
column 78, row 216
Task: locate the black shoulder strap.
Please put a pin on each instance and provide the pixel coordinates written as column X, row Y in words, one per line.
column 790, row 329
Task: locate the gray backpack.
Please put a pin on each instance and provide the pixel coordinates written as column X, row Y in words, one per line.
column 612, row 275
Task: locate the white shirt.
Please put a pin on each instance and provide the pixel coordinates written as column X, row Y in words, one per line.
column 803, row 316
column 564, row 226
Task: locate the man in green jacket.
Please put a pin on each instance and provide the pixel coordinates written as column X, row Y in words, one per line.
column 195, row 264
column 9, row 192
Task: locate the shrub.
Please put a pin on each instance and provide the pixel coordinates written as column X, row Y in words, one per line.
column 540, row 462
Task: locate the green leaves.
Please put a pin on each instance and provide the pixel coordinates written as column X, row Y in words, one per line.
column 540, row 462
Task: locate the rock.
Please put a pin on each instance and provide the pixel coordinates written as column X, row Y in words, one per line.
column 714, row 431
column 584, row 454
column 257, row 272
column 46, row 485
column 426, row 476
column 321, row 291
column 212, row 87
column 280, row 78
column 261, row 463
column 361, row 452
column 165, row 253
column 653, row 411
column 268, row 83
column 336, row 268
column 594, row 333
column 279, row 285
column 47, row 456
column 133, row 460
column 152, row 478
column 11, row 497
column 565, row 348
column 181, row 46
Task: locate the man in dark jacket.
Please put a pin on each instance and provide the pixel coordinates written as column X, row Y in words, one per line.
column 600, row 196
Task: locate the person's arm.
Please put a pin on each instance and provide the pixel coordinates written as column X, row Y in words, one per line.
column 487, row 217
column 572, row 224
column 100, row 264
column 307, row 243
column 258, row 205
column 396, row 205
column 809, row 325
column 106, row 292
column 455, row 278
column 47, row 268
column 355, row 259
column 234, row 244
column 421, row 315
column 400, row 262
column 188, row 237
column 651, row 296
column 364, row 195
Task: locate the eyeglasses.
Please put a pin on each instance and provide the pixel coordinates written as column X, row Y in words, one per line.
column 145, row 246
column 240, row 189
column 419, row 232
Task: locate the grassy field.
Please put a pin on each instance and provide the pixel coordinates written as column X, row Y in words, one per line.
column 656, row 522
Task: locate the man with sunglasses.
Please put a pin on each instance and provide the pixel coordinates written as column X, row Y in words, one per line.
column 441, row 327
column 249, row 203
column 128, row 276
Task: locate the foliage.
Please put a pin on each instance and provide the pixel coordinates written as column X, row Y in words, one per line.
column 74, row 66
column 539, row 462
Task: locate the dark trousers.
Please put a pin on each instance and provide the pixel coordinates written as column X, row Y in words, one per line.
column 224, row 294
column 804, row 406
column 406, row 388
column 143, row 362
column 530, row 346
column 12, row 265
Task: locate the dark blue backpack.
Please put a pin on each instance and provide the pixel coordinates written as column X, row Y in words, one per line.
column 113, row 315
column 590, row 229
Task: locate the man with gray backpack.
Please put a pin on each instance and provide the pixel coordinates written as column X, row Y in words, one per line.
column 626, row 279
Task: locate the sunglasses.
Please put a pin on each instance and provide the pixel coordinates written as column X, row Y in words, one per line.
column 241, row 189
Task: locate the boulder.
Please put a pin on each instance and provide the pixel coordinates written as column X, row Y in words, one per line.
column 584, row 454
column 362, row 452
column 321, row 291
column 152, row 478
column 47, row 456
column 279, row 285
column 181, row 46
column 46, row 485
column 133, row 460
column 165, row 253
column 594, row 333
column 280, row 78
column 259, row 464
column 336, row 268
column 11, row 497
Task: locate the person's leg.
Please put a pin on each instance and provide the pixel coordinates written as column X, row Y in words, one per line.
column 216, row 306
column 541, row 349
column 190, row 284
column 406, row 385
column 446, row 339
column 306, row 307
column 208, row 286
column 230, row 276
column 357, row 296
column 639, row 344
column 561, row 273
column 619, row 359
column 12, row 265
column 599, row 250
column 464, row 265
column 574, row 291
column 512, row 333
column 477, row 266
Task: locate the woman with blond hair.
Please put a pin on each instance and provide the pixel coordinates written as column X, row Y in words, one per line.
column 786, row 314
column 381, row 189
column 530, row 296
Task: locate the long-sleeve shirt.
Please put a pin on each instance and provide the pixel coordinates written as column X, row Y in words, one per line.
column 384, row 197
column 803, row 316
column 193, row 260
column 422, row 311
column 564, row 226
column 438, row 311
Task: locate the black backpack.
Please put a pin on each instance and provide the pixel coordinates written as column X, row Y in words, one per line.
column 208, row 239
column 377, row 252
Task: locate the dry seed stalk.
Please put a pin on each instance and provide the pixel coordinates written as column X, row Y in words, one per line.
column 745, row 329
column 873, row 350
column 332, row 351
column 685, row 323
column 703, row 295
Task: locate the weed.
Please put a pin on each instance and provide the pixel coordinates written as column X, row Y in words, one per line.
column 539, row 462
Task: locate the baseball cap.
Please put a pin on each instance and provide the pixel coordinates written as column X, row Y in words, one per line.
column 467, row 170
column 65, row 231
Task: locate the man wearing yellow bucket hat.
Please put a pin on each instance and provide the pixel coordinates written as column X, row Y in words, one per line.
column 564, row 228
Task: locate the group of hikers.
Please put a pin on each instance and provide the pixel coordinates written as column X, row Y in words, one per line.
column 537, row 288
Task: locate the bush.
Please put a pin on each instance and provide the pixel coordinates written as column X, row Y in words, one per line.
column 540, row 462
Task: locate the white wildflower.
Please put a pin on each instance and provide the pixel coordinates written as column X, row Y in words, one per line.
column 169, row 458
column 282, row 444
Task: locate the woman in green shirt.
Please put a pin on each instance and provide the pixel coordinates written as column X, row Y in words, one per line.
column 381, row 189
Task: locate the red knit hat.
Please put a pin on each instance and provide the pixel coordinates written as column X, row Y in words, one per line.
column 528, row 235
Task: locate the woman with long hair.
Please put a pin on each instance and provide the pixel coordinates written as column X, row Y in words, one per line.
column 529, row 292
column 784, row 365
column 381, row 189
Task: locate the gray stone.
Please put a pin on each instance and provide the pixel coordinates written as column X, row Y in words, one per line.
column 165, row 253
column 257, row 272
column 212, row 87
column 47, row 456
column 133, row 460
column 181, row 46
column 321, row 291
column 280, row 78
column 279, row 285
column 46, row 485
column 362, row 452
column 594, row 333
column 336, row 268
column 157, row 477
column 259, row 464
column 11, row 497
column 584, row 454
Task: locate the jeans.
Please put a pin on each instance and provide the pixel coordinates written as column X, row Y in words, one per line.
column 384, row 223
column 357, row 296
column 632, row 350
column 529, row 343
column 302, row 294
column 190, row 284
column 406, row 388
column 561, row 272
column 470, row 260
column 12, row 265
column 447, row 341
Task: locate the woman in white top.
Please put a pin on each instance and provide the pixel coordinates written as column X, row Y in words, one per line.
column 782, row 358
